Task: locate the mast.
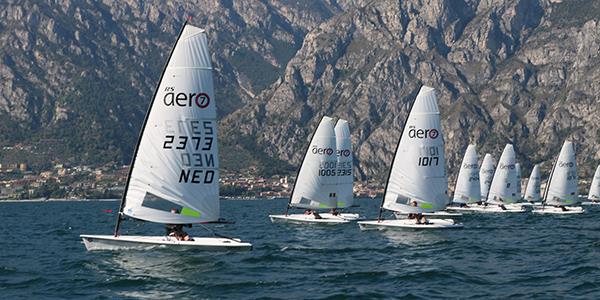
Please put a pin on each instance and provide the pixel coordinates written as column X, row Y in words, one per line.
column 544, row 199
column 394, row 158
column 137, row 146
column 301, row 163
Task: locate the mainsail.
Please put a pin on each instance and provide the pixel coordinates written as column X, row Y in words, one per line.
column 175, row 164
column 562, row 185
column 595, row 187
column 518, row 175
column 418, row 170
column 345, row 175
column 467, row 188
column 316, row 183
column 533, row 191
column 486, row 173
column 503, row 189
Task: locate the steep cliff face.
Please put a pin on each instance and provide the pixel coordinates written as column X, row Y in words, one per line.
column 520, row 71
column 83, row 72
column 505, row 71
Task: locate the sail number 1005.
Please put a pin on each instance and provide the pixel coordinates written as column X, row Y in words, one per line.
column 429, row 156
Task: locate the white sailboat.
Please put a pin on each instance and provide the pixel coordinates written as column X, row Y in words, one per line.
column 316, row 184
column 594, row 194
column 467, row 192
column 345, row 173
column 533, row 191
column 561, row 196
column 518, row 175
column 417, row 181
column 503, row 189
column 486, row 174
column 174, row 175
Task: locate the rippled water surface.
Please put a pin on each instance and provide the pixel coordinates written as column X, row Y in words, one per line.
column 494, row 256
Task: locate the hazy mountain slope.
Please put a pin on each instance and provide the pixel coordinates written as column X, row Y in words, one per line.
column 506, row 71
column 80, row 74
column 77, row 76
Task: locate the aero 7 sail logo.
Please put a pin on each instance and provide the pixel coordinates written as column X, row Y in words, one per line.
column 321, row 151
column 201, row 100
column 423, row 133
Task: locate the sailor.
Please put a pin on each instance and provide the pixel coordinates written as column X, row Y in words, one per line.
column 419, row 217
column 176, row 230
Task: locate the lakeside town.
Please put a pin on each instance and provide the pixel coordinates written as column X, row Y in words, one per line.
column 62, row 181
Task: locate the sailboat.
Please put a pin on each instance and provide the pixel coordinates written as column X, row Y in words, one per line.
column 468, row 188
column 503, row 189
column 345, row 173
column 417, row 181
column 533, row 190
column 518, row 175
column 174, row 174
column 561, row 193
column 486, row 174
column 316, row 183
column 594, row 194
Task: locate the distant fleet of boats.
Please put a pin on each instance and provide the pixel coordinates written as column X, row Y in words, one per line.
column 174, row 174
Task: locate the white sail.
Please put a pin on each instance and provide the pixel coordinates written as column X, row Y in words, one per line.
column 418, row 171
column 486, row 173
column 503, row 189
column 468, row 189
column 518, row 175
column 345, row 174
column 176, row 163
column 316, row 183
column 533, row 191
column 562, row 188
column 594, row 193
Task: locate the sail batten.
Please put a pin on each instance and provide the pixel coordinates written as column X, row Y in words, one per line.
column 176, row 163
column 417, row 174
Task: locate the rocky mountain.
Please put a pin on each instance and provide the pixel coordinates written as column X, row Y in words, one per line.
column 77, row 76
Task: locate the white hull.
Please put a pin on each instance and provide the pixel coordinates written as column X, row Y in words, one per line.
column 123, row 242
column 306, row 219
column 557, row 210
column 342, row 216
column 590, row 203
column 432, row 215
column 489, row 209
column 409, row 224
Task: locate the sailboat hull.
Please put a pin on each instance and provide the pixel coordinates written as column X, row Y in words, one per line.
column 123, row 242
column 557, row 210
column 343, row 216
column 306, row 219
column 433, row 215
column 409, row 224
column 590, row 203
column 488, row 209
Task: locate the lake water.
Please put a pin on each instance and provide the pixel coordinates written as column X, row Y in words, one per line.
column 494, row 256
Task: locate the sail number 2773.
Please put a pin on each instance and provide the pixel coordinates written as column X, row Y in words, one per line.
column 429, row 156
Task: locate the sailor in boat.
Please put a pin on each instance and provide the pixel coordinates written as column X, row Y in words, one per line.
column 501, row 205
column 334, row 212
column 176, row 230
column 314, row 213
column 419, row 217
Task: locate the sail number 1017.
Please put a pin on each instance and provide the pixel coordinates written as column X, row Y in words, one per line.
column 429, row 156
